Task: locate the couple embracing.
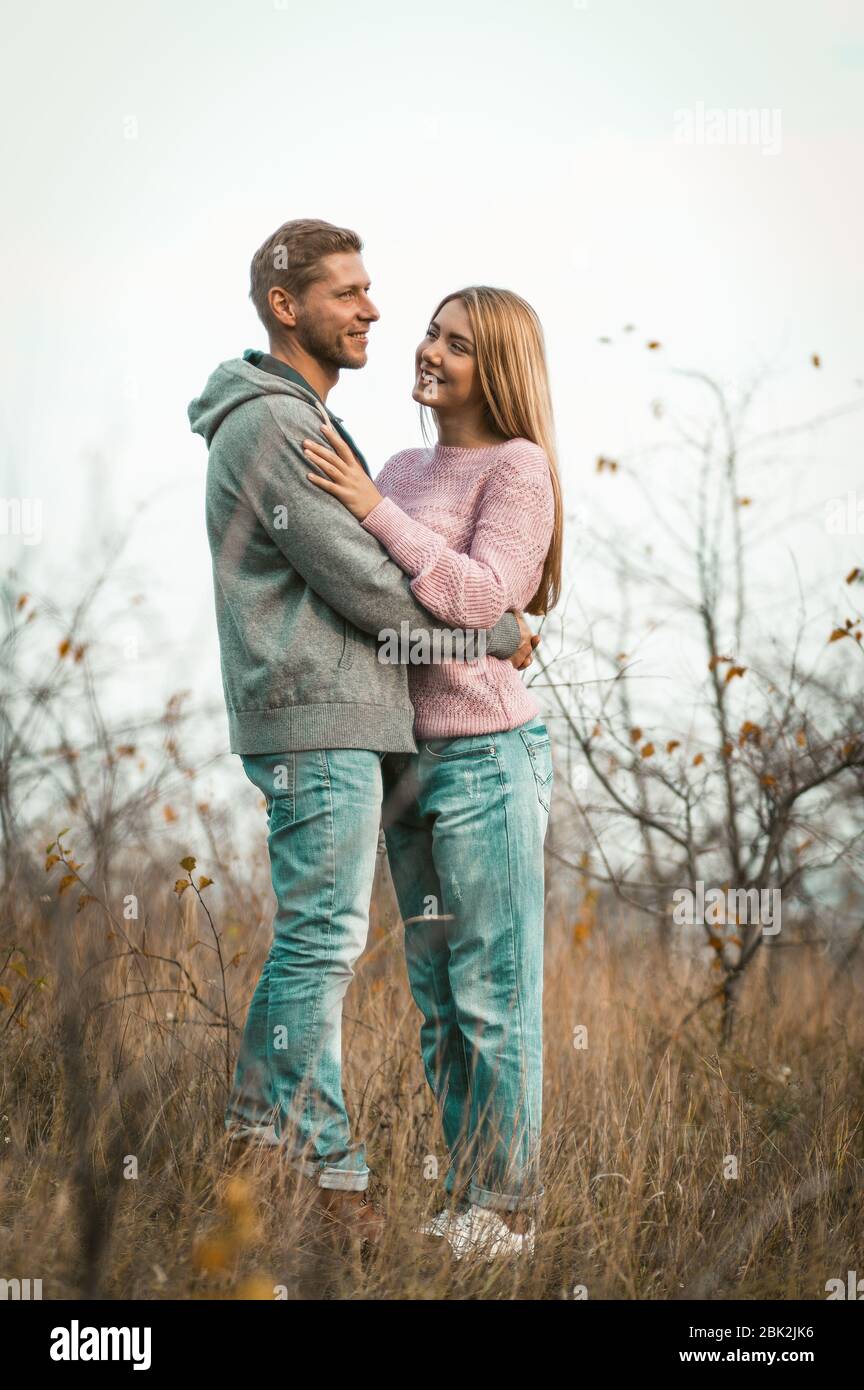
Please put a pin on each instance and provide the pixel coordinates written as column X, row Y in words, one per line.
column 313, row 561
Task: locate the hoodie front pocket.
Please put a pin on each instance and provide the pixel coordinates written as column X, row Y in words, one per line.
column 347, row 657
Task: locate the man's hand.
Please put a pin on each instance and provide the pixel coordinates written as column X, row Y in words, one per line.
column 522, row 656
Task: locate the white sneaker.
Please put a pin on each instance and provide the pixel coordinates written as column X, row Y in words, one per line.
column 480, row 1231
column 439, row 1224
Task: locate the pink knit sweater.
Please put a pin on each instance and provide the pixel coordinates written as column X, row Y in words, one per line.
column 472, row 527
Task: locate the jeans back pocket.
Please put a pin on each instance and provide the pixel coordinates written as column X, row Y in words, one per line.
column 274, row 774
column 538, row 745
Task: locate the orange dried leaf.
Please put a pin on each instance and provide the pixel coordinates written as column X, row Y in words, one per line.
column 648, row 750
column 700, row 758
column 672, row 745
column 212, row 1255
column 188, row 863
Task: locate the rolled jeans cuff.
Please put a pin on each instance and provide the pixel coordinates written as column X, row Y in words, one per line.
column 501, row 1201
column 264, row 1134
column 338, row 1179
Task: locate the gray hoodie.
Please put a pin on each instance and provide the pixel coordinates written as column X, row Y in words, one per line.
column 302, row 590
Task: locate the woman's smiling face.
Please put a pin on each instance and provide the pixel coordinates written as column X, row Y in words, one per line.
column 445, row 362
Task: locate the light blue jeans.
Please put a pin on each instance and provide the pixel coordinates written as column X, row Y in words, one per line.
column 465, row 820
column 324, row 815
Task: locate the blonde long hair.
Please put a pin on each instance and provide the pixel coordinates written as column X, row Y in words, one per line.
column 511, row 361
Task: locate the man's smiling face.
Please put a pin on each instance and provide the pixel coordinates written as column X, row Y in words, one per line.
column 335, row 314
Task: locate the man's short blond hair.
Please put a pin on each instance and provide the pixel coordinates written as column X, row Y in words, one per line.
column 291, row 257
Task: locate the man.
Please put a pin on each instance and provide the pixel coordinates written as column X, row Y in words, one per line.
column 302, row 593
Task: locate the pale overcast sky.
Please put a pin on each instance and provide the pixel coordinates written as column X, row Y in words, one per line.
column 149, row 148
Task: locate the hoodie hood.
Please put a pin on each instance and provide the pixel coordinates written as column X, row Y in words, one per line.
column 234, row 383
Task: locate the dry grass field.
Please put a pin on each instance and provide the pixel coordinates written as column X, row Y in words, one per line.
column 114, row 1182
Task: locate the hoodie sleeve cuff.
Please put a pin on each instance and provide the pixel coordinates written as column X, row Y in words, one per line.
column 411, row 544
column 504, row 637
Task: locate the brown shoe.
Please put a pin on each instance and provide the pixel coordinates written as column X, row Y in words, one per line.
column 350, row 1214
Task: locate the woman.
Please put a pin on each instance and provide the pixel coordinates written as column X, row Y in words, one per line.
column 476, row 522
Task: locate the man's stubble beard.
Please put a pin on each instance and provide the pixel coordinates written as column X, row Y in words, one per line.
column 325, row 349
